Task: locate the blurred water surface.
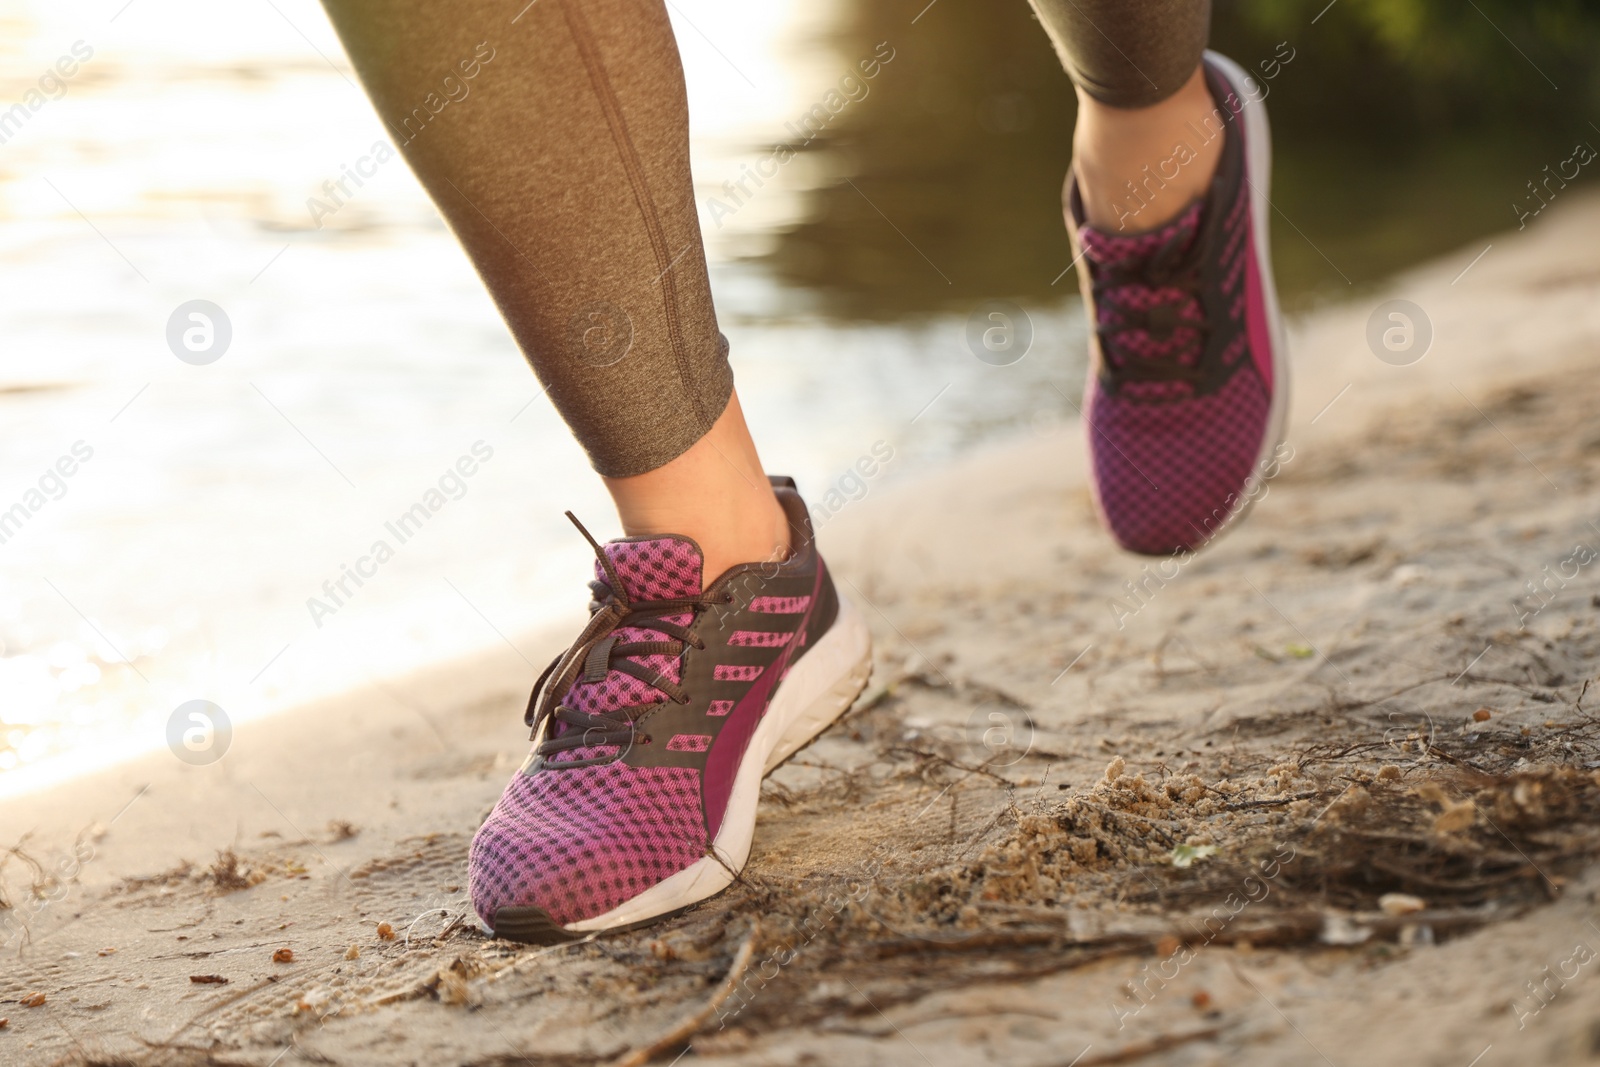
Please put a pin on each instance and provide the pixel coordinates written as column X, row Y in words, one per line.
column 176, row 562
column 206, row 506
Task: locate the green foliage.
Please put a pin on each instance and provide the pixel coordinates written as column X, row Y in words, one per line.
column 1426, row 67
column 1185, row 855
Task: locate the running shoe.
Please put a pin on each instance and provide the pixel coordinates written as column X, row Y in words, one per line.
column 653, row 731
column 1188, row 386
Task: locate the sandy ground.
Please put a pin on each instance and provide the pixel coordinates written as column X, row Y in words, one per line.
column 1072, row 821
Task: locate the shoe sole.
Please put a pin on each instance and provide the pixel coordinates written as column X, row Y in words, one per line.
column 818, row 689
column 1258, row 173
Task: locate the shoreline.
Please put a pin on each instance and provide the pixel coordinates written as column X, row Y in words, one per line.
column 1054, row 455
column 987, row 584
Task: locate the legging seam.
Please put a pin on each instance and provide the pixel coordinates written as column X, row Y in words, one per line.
column 578, row 26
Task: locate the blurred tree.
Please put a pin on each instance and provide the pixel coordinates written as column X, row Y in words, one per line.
column 1407, row 67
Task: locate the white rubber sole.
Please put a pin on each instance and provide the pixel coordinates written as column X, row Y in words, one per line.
column 816, row 691
column 1258, row 172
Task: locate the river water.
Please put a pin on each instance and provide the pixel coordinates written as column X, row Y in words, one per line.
column 178, row 519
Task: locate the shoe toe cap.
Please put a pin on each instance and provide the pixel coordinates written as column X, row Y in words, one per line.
column 577, row 843
column 1169, row 477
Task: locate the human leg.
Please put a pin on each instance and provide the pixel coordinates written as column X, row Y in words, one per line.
column 555, row 143
column 1141, row 92
column 716, row 644
column 1168, row 208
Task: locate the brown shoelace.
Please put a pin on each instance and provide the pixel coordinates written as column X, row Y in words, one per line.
column 595, row 654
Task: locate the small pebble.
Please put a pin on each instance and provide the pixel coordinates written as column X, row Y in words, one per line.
column 1482, row 715
column 353, row 952
column 385, row 932
column 1201, row 1000
column 1409, row 574
column 1455, row 817
column 32, row 1000
column 283, row 955
column 1400, row 904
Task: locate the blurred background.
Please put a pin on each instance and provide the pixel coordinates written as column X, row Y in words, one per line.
column 178, row 161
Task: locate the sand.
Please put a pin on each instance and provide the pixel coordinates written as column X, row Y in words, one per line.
column 1324, row 794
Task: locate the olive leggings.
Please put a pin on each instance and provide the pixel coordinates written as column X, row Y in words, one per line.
column 566, row 178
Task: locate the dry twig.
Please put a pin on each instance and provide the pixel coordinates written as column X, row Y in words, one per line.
column 690, row 1024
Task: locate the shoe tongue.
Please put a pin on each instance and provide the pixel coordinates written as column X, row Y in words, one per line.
column 1127, row 286
column 651, row 568
column 1130, row 251
column 655, row 568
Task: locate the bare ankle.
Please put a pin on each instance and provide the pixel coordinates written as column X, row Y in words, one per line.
column 1138, row 169
column 747, row 528
column 715, row 493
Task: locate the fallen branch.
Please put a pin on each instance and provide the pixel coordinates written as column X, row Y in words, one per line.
column 222, row 1002
column 879, row 694
column 691, row 1024
column 1140, row 1049
column 1286, row 928
column 522, row 958
column 1272, row 802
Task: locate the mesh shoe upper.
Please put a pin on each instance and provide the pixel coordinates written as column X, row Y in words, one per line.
column 579, row 841
column 601, row 811
column 1179, row 397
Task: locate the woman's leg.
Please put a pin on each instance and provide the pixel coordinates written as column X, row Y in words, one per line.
column 1167, row 201
column 1136, row 66
column 554, row 137
column 555, row 142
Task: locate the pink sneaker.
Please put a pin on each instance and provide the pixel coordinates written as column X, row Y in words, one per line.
column 1188, row 384
column 655, row 729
